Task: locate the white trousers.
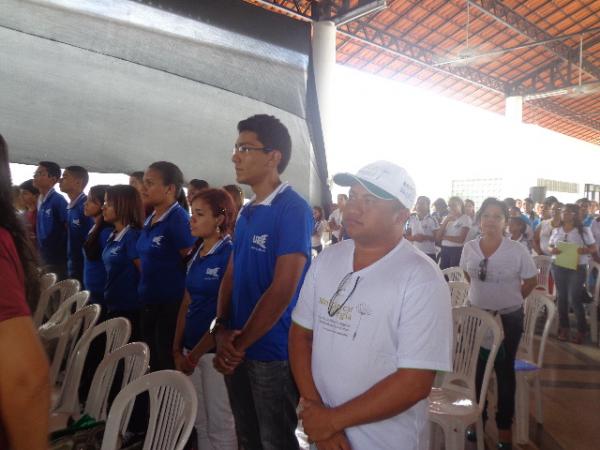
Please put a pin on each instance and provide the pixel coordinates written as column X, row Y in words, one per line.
column 214, row 420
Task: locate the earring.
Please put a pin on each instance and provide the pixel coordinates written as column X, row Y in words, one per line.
column 218, row 229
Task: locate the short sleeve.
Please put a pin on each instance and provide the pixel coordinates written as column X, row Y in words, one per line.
column 294, row 230
column 425, row 327
column 588, row 237
column 179, row 231
column 131, row 245
column 528, row 267
column 303, row 314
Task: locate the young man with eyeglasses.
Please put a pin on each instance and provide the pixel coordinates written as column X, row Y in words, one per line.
column 51, row 224
column 271, row 253
column 372, row 325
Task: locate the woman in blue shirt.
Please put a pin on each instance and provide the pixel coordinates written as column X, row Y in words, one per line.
column 94, row 274
column 211, row 221
column 124, row 210
column 164, row 241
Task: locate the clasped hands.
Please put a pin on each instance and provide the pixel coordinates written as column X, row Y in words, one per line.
column 228, row 357
column 318, row 423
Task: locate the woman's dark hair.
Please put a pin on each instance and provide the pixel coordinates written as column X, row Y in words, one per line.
column 171, row 174
column 491, row 201
column 236, row 193
column 574, row 208
column 320, row 210
column 272, row 134
column 440, row 205
column 521, row 223
column 28, row 186
column 458, row 200
column 91, row 246
column 127, row 203
column 198, row 184
column 11, row 222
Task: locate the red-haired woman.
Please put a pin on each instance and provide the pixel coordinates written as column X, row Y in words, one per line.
column 212, row 220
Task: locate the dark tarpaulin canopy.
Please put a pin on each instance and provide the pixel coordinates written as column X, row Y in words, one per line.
column 114, row 86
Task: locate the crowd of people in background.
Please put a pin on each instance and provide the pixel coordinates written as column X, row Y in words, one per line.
column 210, row 284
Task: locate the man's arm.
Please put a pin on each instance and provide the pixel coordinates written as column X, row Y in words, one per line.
column 300, row 349
column 24, row 385
column 391, row 396
column 274, row 301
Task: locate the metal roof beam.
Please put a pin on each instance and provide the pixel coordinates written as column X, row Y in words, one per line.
column 566, row 113
column 524, row 27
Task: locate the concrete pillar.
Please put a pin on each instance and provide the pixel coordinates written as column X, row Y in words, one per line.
column 513, row 109
column 323, row 48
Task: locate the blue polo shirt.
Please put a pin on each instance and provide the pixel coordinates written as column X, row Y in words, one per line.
column 163, row 270
column 280, row 225
column 51, row 228
column 77, row 230
column 122, row 277
column 202, row 283
column 94, row 273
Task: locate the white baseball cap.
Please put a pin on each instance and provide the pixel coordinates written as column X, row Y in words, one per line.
column 384, row 180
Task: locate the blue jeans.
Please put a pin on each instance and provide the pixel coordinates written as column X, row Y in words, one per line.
column 569, row 286
column 263, row 399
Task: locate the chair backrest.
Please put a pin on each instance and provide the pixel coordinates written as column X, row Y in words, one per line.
column 471, row 326
column 136, row 360
column 47, row 280
column 117, row 331
column 543, row 264
column 459, row 292
column 77, row 327
column 50, row 300
column 454, row 274
column 535, row 304
column 51, row 328
column 173, row 405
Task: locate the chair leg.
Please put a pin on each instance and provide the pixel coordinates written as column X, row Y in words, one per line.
column 454, row 436
column 522, row 409
column 480, row 436
column 537, row 392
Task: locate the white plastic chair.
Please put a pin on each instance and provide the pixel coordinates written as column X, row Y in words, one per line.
column 135, row 357
column 118, row 331
column 455, row 274
column 594, row 306
column 77, row 327
column 48, row 304
column 528, row 364
column 173, row 406
column 459, row 292
column 51, row 328
column 47, row 280
column 454, row 405
column 543, row 264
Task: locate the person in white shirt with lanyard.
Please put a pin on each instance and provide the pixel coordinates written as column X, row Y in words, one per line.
column 421, row 228
column 372, row 324
column 569, row 282
column 502, row 273
column 453, row 232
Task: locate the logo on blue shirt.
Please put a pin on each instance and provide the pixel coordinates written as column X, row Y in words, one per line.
column 260, row 241
column 115, row 251
column 157, row 240
column 48, row 212
column 76, row 222
column 214, row 272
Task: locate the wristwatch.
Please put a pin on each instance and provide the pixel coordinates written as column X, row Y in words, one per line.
column 215, row 324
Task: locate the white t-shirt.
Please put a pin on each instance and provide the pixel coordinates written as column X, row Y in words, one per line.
column 506, row 268
column 574, row 237
column 316, row 240
column 399, row 316
column 427, row 226
column 545, row 233
column 454, row 228
column 336, row 216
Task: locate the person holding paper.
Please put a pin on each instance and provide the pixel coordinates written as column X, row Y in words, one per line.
column 502, row 273
column 569, row 271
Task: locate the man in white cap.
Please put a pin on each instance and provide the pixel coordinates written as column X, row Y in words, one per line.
column 372, row 324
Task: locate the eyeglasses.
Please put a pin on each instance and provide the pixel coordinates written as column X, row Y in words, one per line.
column 344, row 289
column 242, row 148
column 482, row 272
